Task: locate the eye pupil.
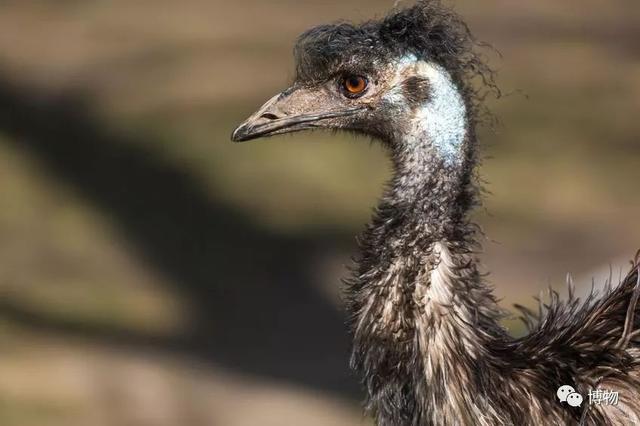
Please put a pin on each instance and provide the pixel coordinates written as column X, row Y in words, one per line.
column 355, row 84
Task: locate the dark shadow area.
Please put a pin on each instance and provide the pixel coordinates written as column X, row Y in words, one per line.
column 254, row 306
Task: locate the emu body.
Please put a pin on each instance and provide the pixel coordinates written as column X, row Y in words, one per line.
column 425, row 324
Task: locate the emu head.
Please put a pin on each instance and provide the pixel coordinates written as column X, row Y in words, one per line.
column 403, row 80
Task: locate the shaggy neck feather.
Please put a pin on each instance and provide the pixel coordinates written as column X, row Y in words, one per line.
column 417, row 298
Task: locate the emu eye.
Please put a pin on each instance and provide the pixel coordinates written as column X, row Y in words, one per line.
column 354, row 85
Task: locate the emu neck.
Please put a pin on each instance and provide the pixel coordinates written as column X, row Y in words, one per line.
column 432, row 195
column 422, row 316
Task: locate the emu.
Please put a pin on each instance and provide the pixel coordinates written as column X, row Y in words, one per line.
column 426, row 335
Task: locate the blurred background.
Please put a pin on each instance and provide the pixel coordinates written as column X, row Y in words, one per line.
column 154, row 273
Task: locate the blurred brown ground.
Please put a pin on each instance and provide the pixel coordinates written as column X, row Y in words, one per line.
column 153, row 273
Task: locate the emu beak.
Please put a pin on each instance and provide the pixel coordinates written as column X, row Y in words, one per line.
column 293, row 110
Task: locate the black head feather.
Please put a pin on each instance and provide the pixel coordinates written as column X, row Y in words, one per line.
column 429, row 30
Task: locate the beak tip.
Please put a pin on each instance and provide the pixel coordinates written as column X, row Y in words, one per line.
column 239, row 134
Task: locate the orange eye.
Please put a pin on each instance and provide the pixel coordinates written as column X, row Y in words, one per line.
column 354, row 85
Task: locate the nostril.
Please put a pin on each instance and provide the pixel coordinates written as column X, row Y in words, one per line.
column 269, row 116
